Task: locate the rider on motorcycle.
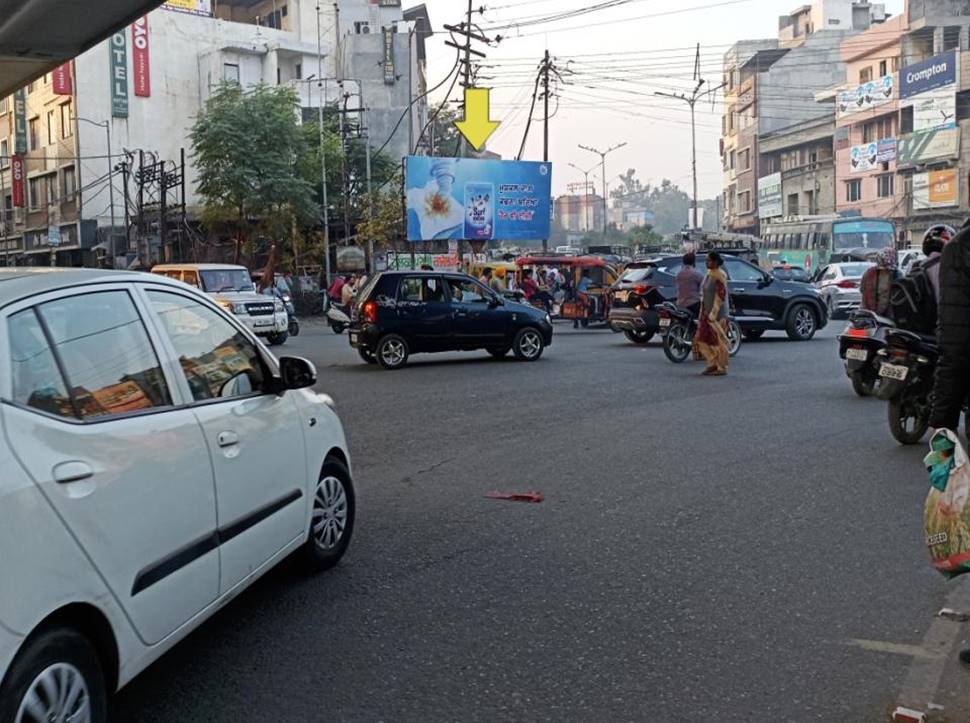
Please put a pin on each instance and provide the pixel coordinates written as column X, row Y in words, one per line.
column 934, row 240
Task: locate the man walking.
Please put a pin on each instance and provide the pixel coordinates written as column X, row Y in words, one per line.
column 952, row 385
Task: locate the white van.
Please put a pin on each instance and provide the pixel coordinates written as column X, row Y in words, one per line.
column 232, row 288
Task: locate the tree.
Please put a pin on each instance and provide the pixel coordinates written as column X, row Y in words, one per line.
column 388, row 225
column 247, row 147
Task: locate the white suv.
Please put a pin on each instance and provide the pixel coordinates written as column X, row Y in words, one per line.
column 157, row 460
column 232, row 288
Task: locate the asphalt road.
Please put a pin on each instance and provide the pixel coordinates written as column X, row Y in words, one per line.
column 708, row 549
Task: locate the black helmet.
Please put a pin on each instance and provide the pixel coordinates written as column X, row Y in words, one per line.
column 936, row 237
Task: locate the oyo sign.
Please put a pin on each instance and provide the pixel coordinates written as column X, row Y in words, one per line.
column 139, row 58
column 17, row 169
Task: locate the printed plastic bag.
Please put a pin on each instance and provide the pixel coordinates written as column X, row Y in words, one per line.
column 947, row 513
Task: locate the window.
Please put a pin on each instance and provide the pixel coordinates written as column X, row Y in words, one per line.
column 792, row 204
column 738, row 270
column 883, row 68
column 732, row 159
column 37, row 381
column 744, row 201
column 886, row 183
column 33, row 129
column 421, row 289
column 68, row 184
column 744, row 159
column 298, row 71
column 853, row 191
column 466, row 291
column 66, row 125
column 190, row 277
column 50, row 187
column 4, row 153
column 108, row 363
column 217, row 359
column 3, row 106
column 275, row 18
column 869, row 133
column 230, row 72
column 906, row 120
column 33, row 193
column 47, row 78
column 30, row 87
column 885, row 127
column 865, row 75
column 51, row 128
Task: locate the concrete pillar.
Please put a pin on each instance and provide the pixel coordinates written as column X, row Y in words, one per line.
column 938, row 45
column 965, row 37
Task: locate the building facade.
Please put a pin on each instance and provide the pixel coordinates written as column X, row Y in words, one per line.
column 579, row 213
column 144, row 87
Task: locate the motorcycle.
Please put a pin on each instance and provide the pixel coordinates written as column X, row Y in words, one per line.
column 906, row 368
column 859, row 345
column 678, row 327
column 293, row 324
column 338, row 317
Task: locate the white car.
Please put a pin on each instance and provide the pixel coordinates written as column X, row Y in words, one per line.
column 233, row 289
column 839, row 286
column 157, row 460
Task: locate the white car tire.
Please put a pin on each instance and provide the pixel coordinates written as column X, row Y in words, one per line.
column 332, row 519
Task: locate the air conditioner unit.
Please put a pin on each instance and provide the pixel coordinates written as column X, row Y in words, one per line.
column 365, row 29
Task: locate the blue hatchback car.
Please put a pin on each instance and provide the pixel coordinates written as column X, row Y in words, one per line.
column 399, row 313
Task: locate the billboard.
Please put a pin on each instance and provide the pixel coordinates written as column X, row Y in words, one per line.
column 863, row 158
column 193, row 7
column 20, row 121
column 866, row 96
column 769, row 196
column 477, row 200
column 118, row 48
column 935, row 145
column 61, row 78
column 140, row 58
column 886, row 150
column 937, row 72
column 17, row 173
column 936, row 189
column 930, row 88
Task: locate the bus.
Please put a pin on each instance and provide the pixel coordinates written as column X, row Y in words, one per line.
column 811, row 243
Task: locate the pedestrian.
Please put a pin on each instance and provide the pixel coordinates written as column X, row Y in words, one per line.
column 877, row 282
column 689, row 281
column 486, row 277
column 495, row 283
column 711, row 337
column 349, row 291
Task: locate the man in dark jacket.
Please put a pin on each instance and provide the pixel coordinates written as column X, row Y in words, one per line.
column 952, row 386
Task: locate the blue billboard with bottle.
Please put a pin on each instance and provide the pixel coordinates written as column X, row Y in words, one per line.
column 471, row 199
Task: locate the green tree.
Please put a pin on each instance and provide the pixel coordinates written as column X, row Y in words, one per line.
column 247, row 147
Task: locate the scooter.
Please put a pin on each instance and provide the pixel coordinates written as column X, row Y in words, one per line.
column 859, row 345
column 678, row 327
column 338, row 317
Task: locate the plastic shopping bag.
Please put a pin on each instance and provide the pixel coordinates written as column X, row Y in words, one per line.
column 947, row 510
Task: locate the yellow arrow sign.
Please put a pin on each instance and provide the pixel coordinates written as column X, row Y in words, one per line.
column 477, row 126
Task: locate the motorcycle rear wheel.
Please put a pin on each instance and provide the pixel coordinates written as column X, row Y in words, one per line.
column 677, row 343
column 906, row 424
column 863, row 387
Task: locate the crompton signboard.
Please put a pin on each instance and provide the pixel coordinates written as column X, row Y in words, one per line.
column 769, row 196
column 934, row 73
column 477, row 200
column 930, row 88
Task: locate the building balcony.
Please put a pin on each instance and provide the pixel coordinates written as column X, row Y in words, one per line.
column 808, row 169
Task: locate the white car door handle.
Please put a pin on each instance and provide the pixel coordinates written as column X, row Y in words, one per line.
column 228, row 439
column 68, row 472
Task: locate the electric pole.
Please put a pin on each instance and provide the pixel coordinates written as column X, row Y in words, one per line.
column 323, row 156
column 691, row 100
column 603, row 155
column 586, row 200
column 545, row 98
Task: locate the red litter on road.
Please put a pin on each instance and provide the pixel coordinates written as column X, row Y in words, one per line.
column 532, row 497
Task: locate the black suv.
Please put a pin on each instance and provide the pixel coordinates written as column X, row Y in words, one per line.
column 399, row 313
column 759, row 302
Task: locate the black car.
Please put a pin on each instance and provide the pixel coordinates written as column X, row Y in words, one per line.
column 399, row 313
column 759, row 301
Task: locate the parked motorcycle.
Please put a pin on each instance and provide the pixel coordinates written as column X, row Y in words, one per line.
column 678, row 327
column 338, row 317
column 859, row 345
column 906, row 368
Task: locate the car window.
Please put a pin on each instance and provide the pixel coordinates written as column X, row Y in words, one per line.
column 37, row 381
column 106, row 355
column 217, row 359
column 421, row 288
column 466, row 291
column 635, row 275
column 739, row 271
column 191, row 278
column 830, row 275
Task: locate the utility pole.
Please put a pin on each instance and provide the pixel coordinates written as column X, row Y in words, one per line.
column 323, row 157
column 603, row 155
column 586, row 186
column 545, row 98
column 692, row 100
column 468, row 77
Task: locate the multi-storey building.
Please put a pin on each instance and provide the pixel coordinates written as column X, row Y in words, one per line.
column 799, row 168
column 579, row 213
column 144, row 87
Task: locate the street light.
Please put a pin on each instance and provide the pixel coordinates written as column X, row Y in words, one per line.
column 603, row 155
column 586, row 175
column 111, row 190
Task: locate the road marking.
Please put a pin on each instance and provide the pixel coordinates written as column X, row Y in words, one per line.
column 879, row 646
column 923, row 679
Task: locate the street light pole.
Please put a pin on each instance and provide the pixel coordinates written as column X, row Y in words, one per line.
column 586, row 204
column 111, row 186
column 323, row 157
column 603, row 155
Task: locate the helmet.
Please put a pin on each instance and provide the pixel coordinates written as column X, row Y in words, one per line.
column 936, row 237
column 886, row 258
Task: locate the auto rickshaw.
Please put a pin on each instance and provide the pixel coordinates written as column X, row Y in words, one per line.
column 583, row 308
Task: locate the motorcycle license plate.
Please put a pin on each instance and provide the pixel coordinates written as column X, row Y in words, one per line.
column 664, row 323
column 622, row 295
column 353, row 339
column 857, row 354
column 894, row 371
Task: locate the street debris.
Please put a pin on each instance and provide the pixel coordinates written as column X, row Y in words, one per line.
column 908, row 715
column 532, row 497
column 954, row 615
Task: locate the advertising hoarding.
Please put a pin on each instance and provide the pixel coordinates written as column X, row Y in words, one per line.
column 390, row 74
column 930, row 88
column 936, row 72
column 17, row 174
column 863, row 158
column 20, row 121
column 140, row 65
column 769, row 196
column 886, row 150
column 477, row 200
column 866, row 96
column 193, row 7
column 931, row 146
column 61, row 79
column 936, row 189
column 118, row 48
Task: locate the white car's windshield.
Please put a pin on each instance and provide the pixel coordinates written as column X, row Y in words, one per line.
column 217, row 281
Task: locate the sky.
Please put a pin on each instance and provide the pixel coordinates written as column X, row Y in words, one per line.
column 613, row 61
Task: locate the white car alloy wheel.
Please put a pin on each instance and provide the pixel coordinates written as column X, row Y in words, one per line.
column 329, row 513
column 58, row 694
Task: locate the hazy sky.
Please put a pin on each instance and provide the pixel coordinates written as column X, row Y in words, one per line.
column 619, row 57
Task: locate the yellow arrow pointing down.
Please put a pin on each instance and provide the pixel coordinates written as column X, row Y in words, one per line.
column 477, row 126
